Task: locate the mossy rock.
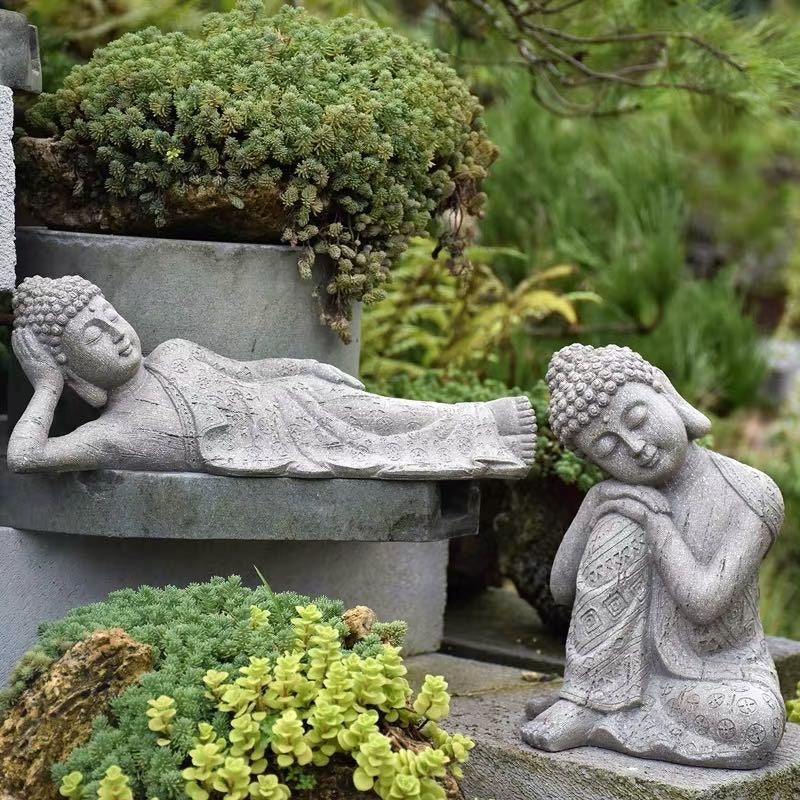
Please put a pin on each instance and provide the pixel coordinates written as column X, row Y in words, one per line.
column 56, row 713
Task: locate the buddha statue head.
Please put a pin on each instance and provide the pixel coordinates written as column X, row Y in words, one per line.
column 95, row 348
column 622, row 413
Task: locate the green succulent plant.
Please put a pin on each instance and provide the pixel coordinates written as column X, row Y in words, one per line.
column 338, row 136
column 72, row 786
column 114, row 785
column 230, row 712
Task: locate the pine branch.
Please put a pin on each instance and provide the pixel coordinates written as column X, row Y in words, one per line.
column 571, row 48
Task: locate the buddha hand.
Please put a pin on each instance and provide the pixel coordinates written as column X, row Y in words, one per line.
column 36, row 360
column 642, row 504
column 328, row 372
column 649, row 496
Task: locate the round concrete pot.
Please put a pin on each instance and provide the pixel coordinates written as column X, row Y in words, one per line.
column 244, row 301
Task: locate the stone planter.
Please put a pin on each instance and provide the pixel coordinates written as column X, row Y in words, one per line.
column 245, row 301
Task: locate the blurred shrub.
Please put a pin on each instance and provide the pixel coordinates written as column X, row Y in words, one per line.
column 431, row 319
column 610, row 196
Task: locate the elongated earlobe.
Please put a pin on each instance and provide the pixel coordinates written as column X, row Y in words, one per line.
column 697, row 424
column 93, row 395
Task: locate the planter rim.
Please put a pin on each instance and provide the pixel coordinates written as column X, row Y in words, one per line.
column 43, row 230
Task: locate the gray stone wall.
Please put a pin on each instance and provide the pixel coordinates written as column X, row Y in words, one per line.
column 46, row 574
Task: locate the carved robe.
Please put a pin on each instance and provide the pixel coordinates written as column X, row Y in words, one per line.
column 241, row 418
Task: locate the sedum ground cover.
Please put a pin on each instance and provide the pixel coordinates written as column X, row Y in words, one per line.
column 350, row 134
column 251, row 696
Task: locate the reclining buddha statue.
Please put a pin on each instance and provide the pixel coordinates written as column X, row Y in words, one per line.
column 666, row 656
column 185, row 408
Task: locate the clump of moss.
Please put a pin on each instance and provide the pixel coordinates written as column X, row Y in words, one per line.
column 339, row 136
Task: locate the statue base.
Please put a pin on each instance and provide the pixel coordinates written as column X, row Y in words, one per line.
column 488, row 704
column 194, row 505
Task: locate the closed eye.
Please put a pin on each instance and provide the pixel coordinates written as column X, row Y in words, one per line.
column 636, row 416
column 605, row 445
column 91, row 334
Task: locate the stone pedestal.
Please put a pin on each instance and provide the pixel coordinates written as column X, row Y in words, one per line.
column 488, row 705
column 74, row 537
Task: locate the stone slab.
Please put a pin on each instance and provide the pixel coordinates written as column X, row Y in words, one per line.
column 488, row 703
column 175, row 505
column 20, row 65
column 47, row 574
column 499, row 626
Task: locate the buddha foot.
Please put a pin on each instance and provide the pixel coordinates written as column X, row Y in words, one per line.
column 560, row 727
column 541, row 702
column 516, row 424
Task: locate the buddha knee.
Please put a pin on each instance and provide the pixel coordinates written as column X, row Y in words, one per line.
column 760, row 736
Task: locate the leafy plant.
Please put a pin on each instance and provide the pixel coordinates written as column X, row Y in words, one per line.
column 233, row 712
column 793, row 707
column 612, row 198
column 607, row 58
column 338, row 136
column 431, row 319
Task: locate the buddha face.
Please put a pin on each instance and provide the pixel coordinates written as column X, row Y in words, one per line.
column 638, row 439
column 101, row 347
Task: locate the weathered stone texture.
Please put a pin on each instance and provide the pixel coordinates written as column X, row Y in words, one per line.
column 195, row 506
column 7, row 252
column 56, row 713
column 487, row 704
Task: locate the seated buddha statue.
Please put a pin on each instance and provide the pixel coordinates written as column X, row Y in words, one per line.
column 185, row 408
column 666, row 657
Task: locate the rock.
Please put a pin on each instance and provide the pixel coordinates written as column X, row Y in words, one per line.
column 55, row 714
column 360, row 621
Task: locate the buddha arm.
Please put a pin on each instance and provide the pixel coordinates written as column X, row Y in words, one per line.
column 703, row 591
column 273, row 368
column 30, row 449
column 564, row 572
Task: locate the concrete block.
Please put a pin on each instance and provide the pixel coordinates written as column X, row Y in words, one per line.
column 46, row 574
column 502, row 767
column 488, row 703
